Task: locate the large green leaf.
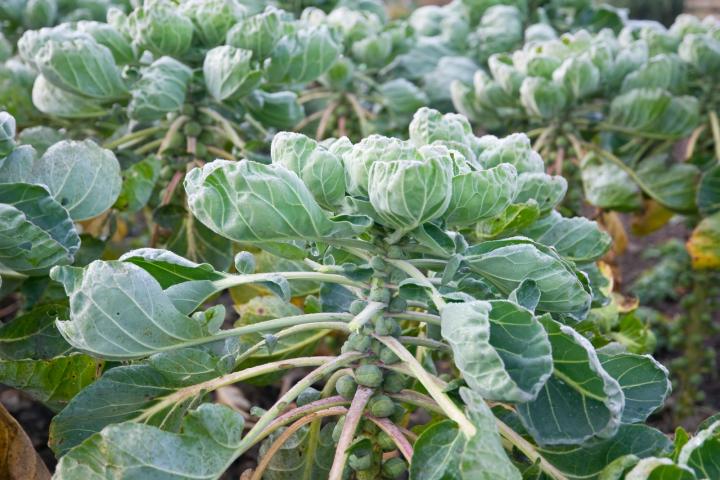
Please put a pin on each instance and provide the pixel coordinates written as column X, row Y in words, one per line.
column 58, row 102
column 254, row 203
column 277, row 109
column 289, row 462
column 169, row 268
column 479, row 195
column 644, row 382
column 507, row 263
column 655, row 112
column 119, row 311
column 83, row 177
column 36, row 232
column 580, row 400
column 160, row 90
column 436, row 453
column 125, row 393
column 54, row 381
column 671, row 184
column 609, row 186
column 138, row 184
column 34, row 335
column 577, row 239
column 302, row 56
column 499, row 347
column 708, row 194
column 586, row 462
column 546, row 190
column 659, row 469
column 200, row 244
column 204, row 449
column 702, row 452
column 227, row 72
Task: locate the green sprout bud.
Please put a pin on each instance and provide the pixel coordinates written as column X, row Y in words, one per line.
column 346, row 387
column 385, row 442
column 387, row 356
column 385, row 326
column 381, row 406
column 357, row 306
column 308, row 395
column 394, row 382
column 369, row 376
column 360, row 461
column 397, row 305
column 377, row 263
column 192, row 129
column 394, row 467
column 358, row 342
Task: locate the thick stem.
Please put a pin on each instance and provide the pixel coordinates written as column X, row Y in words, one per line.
column 282, row 322
column 425, row 342
column 227, row 127
column 174, row 128
column 326, row 367
column 367, row 313
column 284, row 436
column 140, row 134
column 352, row 419
column 715, row 126
column 416, row 317
column 418, row 399
column 451, row 410
column 235, row 280
column 413, row 272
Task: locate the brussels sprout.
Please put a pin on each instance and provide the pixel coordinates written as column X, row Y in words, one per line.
column 369, row 376
column 394, row 467
column 385, row 325
column 308, row 395
column 81, row 66
column 160, row 90
column 228, row 72
column 158, row 26
column 346, row 387
column 358, row 342
column 408, row 193
column 542, row 98
column 385, row 442
column 362, row 460
column 7, row 134
column 394, row 382
column 245, row 263
column 381, row 406
column 213, row 18
column 387, row 356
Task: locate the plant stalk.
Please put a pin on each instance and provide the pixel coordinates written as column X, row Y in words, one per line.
column 352, row 419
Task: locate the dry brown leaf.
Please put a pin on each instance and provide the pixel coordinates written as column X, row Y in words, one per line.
column 652, row 218
column 18, row 458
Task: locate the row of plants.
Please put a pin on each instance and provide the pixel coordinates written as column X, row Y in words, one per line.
column 148, row 184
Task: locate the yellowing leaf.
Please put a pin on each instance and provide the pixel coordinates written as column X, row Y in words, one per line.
column 704, row 243
column 653, row 217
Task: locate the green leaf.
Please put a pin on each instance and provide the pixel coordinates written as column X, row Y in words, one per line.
column 609, row 186
column 200, row 244
column 701, row 453
column 83, row 177
column 407, row 193
column 55, row 101
column 213, row 18
column 436, row 453
column 655, row 112
column 577, row 239
column 402, row 97
column 105, row 34
column 34, row 335
column 204, row 449
column 579, row 76
column 672, row 184
column 542, row 98
column 645, row 383
column 580, row 400
column 664, row 71
column 7, row 134
column 483, row 457
column 546, row 190
column 514, row 149
column 40, row 138
column 161, row 28
column 258, row 33
column 375, row 148
column 278, row 109
column 160, row 90
column 302, row 56
column 708, row 191
column 126, row 393
column 289, row 462
column 588, row 461
column 169, row 268
column 138, row 184
column 81, row 66
column 228, row 73
column 119, row 311
column 53, row 382
column 254, row 203
column 507, row 263
column 479, row 195
column 36, row 232
column 499, row 347
column 704, row 243
column 659, row 469
column 515, row 217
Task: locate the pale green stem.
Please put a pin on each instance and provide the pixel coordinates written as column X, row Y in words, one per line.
column 528, row 450
column 416, row 317
column 12, row 274
column 133, row 136
column 235, row 280
column 451, row 410
column 413, row 272
column 229, row 379
column 174, row 129
column 148, row 146
column 328, row 365
column 282, row 322
column 257, row 125
column 715, row 126
column 292, row 331
column 425, row 342
column 352, row 419
column 227, row 127
column 367, row 313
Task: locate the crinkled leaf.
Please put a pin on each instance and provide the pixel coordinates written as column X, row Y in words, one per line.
column 546, row 190
column 500, row 348
column 481, row 194
column 205, row 447
column 580, row 400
